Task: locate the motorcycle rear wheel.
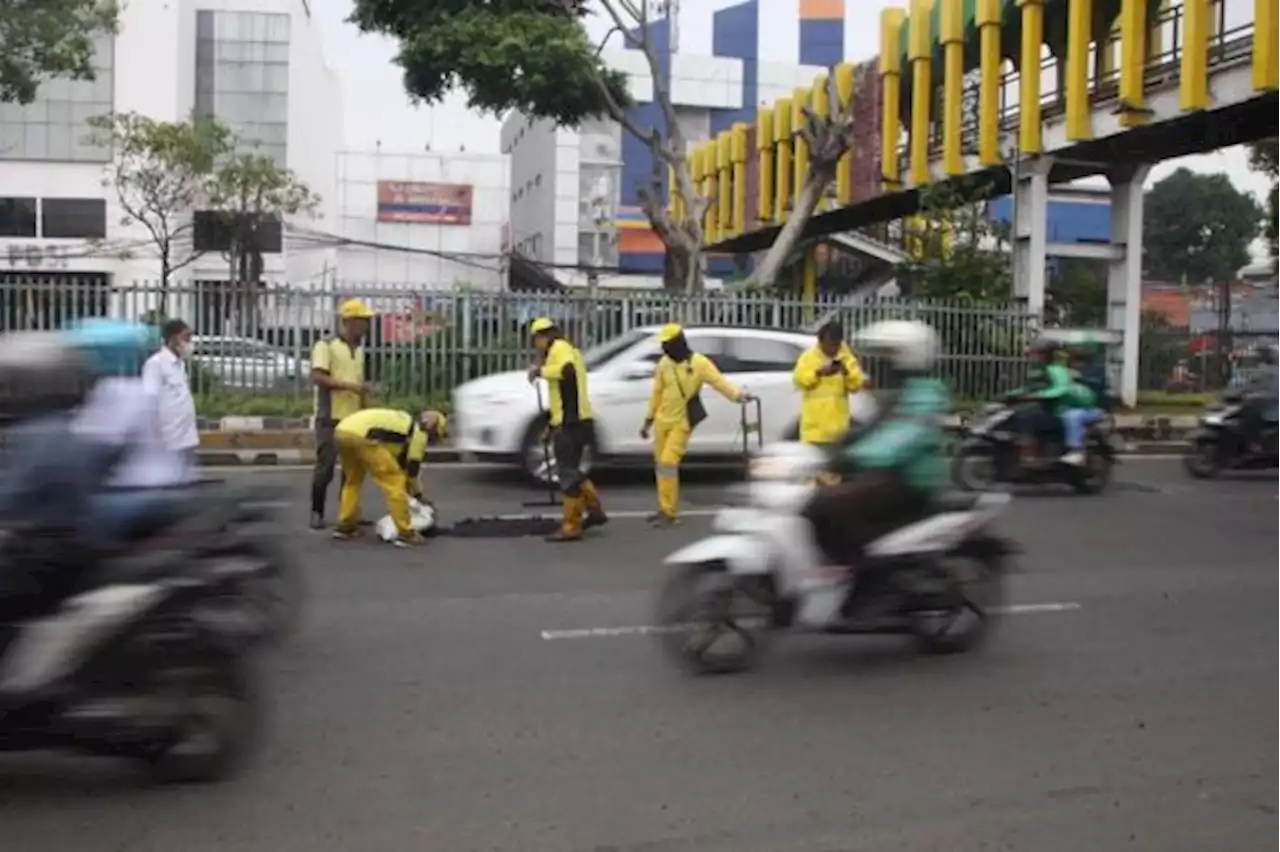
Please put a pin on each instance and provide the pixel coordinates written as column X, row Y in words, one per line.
column 975, row 469
column 700, row 605
column 217, row 726
column 977, row 589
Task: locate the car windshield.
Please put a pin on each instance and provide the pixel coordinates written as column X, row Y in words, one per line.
column 599, row 355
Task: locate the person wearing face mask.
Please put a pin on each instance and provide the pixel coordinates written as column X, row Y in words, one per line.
column 165, row 379
column 675, row 410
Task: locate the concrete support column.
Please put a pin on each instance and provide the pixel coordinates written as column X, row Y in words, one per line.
column 1031, row 232
column 1124, row 272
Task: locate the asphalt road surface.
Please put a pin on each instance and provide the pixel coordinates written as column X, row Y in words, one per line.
column 1131, row 706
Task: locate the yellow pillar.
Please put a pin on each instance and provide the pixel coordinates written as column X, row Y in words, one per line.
column 712, row 225
column 951, row 36
column 800, row 159
column 675, row 204
column 738, row 154
column 1265, row 35
column 698, row 174
column 820, row 103
column 764, row 164
column 1133, row 61
column 782, row 172
column 844, row 103
column 1193, row 82
column 920, row 53
column 724, row 180
column 891, row 21
column 988, row 20
column 1079, row 33
column 810, row 282
column 1030, row 136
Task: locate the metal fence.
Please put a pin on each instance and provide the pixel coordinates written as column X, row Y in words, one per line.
column 1183, row 361
column 423, row 343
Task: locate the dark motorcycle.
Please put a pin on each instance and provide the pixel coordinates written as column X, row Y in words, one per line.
column 150, row 671
column 990, row 456
column 237, row 532
column 1219, row 442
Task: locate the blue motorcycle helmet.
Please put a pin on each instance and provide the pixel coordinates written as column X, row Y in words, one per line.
column 113, row 347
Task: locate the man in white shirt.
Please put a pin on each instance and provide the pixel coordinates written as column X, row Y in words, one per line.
column 164, row 377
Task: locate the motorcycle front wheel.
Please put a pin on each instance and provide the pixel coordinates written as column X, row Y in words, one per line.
column 975, row 468
column 708, row 623
column 1203, row 461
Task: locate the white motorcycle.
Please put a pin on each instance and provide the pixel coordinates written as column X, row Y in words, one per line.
column 939, row 579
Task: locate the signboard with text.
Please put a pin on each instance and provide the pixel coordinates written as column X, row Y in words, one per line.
column 424, row 203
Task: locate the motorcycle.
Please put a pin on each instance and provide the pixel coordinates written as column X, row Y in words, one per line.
column 236, row 531
column 152, row 671
column 990, row 455
column 938, row 579
column 1218, row 443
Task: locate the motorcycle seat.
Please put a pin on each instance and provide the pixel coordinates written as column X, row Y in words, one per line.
column 954, row 501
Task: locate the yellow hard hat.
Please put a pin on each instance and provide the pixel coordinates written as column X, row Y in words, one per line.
column 670, row 332
column 540, row 325
column 354, row 309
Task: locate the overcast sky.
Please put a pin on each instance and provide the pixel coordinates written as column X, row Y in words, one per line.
column 378, row 110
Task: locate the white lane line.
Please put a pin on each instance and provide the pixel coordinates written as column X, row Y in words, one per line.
column 653, row 629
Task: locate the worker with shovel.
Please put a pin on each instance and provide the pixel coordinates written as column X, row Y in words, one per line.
column 560, row 364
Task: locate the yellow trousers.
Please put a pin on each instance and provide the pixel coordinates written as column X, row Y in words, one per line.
column 360, row 456
column 669, row 445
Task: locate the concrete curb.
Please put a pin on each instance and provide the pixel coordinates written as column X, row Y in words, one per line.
column 281, row 457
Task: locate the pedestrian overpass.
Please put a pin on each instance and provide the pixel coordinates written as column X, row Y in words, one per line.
column 1121, row 85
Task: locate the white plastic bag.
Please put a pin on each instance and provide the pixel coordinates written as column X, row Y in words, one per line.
column 421, row 517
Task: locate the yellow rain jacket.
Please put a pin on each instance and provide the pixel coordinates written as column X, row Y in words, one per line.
column 674, row 384
column 566, row 376
column 824, row 414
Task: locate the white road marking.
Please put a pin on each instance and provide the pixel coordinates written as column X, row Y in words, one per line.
column 653, row 629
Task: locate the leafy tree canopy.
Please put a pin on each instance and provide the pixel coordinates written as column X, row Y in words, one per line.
column 530, row 55
column 1198, row 226
column 1262, row 158
column 256, row 184
column 956, row 251
column 40, row 39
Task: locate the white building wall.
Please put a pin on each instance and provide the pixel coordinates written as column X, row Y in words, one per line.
column 535, row 150
column 402, row 255
column 154, row 74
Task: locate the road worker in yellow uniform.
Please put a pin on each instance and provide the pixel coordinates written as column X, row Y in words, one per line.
column 675, row 410
column 826, row 375
column 389, row 446
column 560, row 364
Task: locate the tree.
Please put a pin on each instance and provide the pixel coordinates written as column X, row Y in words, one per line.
column 1262, row 158
column 1077, row 293
column 162, row 172
column 535, row 56
column 956, row 251
column 1198, row 228
column 254, row 193
column 827, row 137
column 40, row 39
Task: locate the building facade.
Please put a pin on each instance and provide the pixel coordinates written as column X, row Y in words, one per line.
column 574, row 193
column 257, row 65
column 423, row 221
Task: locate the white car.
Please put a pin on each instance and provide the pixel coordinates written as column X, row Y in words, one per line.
column 248, row 364
column 497, row 418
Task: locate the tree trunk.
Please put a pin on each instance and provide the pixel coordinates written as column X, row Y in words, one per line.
column 165, row 272
column 785, row 244
column 681, row 273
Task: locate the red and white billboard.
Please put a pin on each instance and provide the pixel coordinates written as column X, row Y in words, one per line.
column 424, row 203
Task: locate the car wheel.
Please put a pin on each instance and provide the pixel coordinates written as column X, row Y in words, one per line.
column 538, row 457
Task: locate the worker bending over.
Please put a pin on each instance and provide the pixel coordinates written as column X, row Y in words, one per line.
column 675, row 410
column 560, row 364
column 388, row 445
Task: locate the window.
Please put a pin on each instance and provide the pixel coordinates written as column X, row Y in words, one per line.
column 242, row 77
column 17, row 217
column 73, row 218
column 714, row 347
column 54, row 126
column 762, row 355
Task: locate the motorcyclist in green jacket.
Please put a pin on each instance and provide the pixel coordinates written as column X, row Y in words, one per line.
column 894, row 466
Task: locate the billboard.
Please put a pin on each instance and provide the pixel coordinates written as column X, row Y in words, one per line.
column 424, row 203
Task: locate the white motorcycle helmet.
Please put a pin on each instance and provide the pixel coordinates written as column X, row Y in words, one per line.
column 908, row 345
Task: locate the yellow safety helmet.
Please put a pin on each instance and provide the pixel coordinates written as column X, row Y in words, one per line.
column 540, row 325
column 670, row 332
column 355, row 309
